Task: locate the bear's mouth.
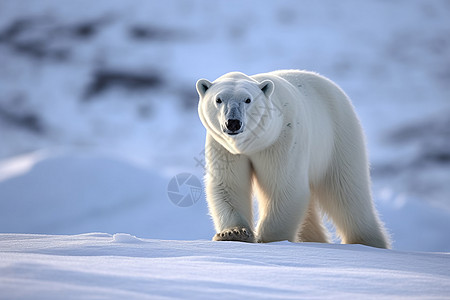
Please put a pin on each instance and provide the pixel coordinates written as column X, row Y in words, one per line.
column 233, row 127
column 231, row 132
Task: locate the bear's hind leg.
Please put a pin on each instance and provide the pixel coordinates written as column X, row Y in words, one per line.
column 312, row 228
column 345, row 196
column 281, row 211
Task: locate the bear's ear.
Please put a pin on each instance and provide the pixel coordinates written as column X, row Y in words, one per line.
column 202, row 86
column 266, row 87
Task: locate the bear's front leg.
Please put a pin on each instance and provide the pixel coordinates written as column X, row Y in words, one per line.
column 228, row 193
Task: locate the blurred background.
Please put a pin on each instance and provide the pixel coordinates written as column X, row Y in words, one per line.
column 98, row 105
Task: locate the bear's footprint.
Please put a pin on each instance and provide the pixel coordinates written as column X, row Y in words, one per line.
column 240, row 234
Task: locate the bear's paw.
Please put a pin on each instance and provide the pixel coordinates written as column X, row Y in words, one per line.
column 239, row 234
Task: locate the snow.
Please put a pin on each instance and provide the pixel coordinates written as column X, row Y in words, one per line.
column 71, row 193
column 98, row 115
column 98, row 265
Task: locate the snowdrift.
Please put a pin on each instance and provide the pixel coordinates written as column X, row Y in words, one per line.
column 121, row 266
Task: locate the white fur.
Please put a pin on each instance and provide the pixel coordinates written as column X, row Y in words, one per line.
column 302, row 150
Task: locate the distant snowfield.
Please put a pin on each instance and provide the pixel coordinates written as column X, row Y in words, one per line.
column 120, row 75
column 71, row 192
column 121, row 266
column 60, row 192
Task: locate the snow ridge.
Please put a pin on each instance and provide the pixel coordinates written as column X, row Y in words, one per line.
column 95, row 265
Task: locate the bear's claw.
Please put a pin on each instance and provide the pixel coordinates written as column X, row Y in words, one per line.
column 239, row 234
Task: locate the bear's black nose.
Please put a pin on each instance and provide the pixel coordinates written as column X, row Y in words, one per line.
column 233, row 125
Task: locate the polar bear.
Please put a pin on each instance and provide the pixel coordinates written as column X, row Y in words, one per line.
column 293, row 139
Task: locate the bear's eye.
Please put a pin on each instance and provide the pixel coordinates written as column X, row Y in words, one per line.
column 248, row 100
column 218, row 100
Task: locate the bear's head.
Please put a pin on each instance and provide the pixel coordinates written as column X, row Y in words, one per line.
column 238, row 112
